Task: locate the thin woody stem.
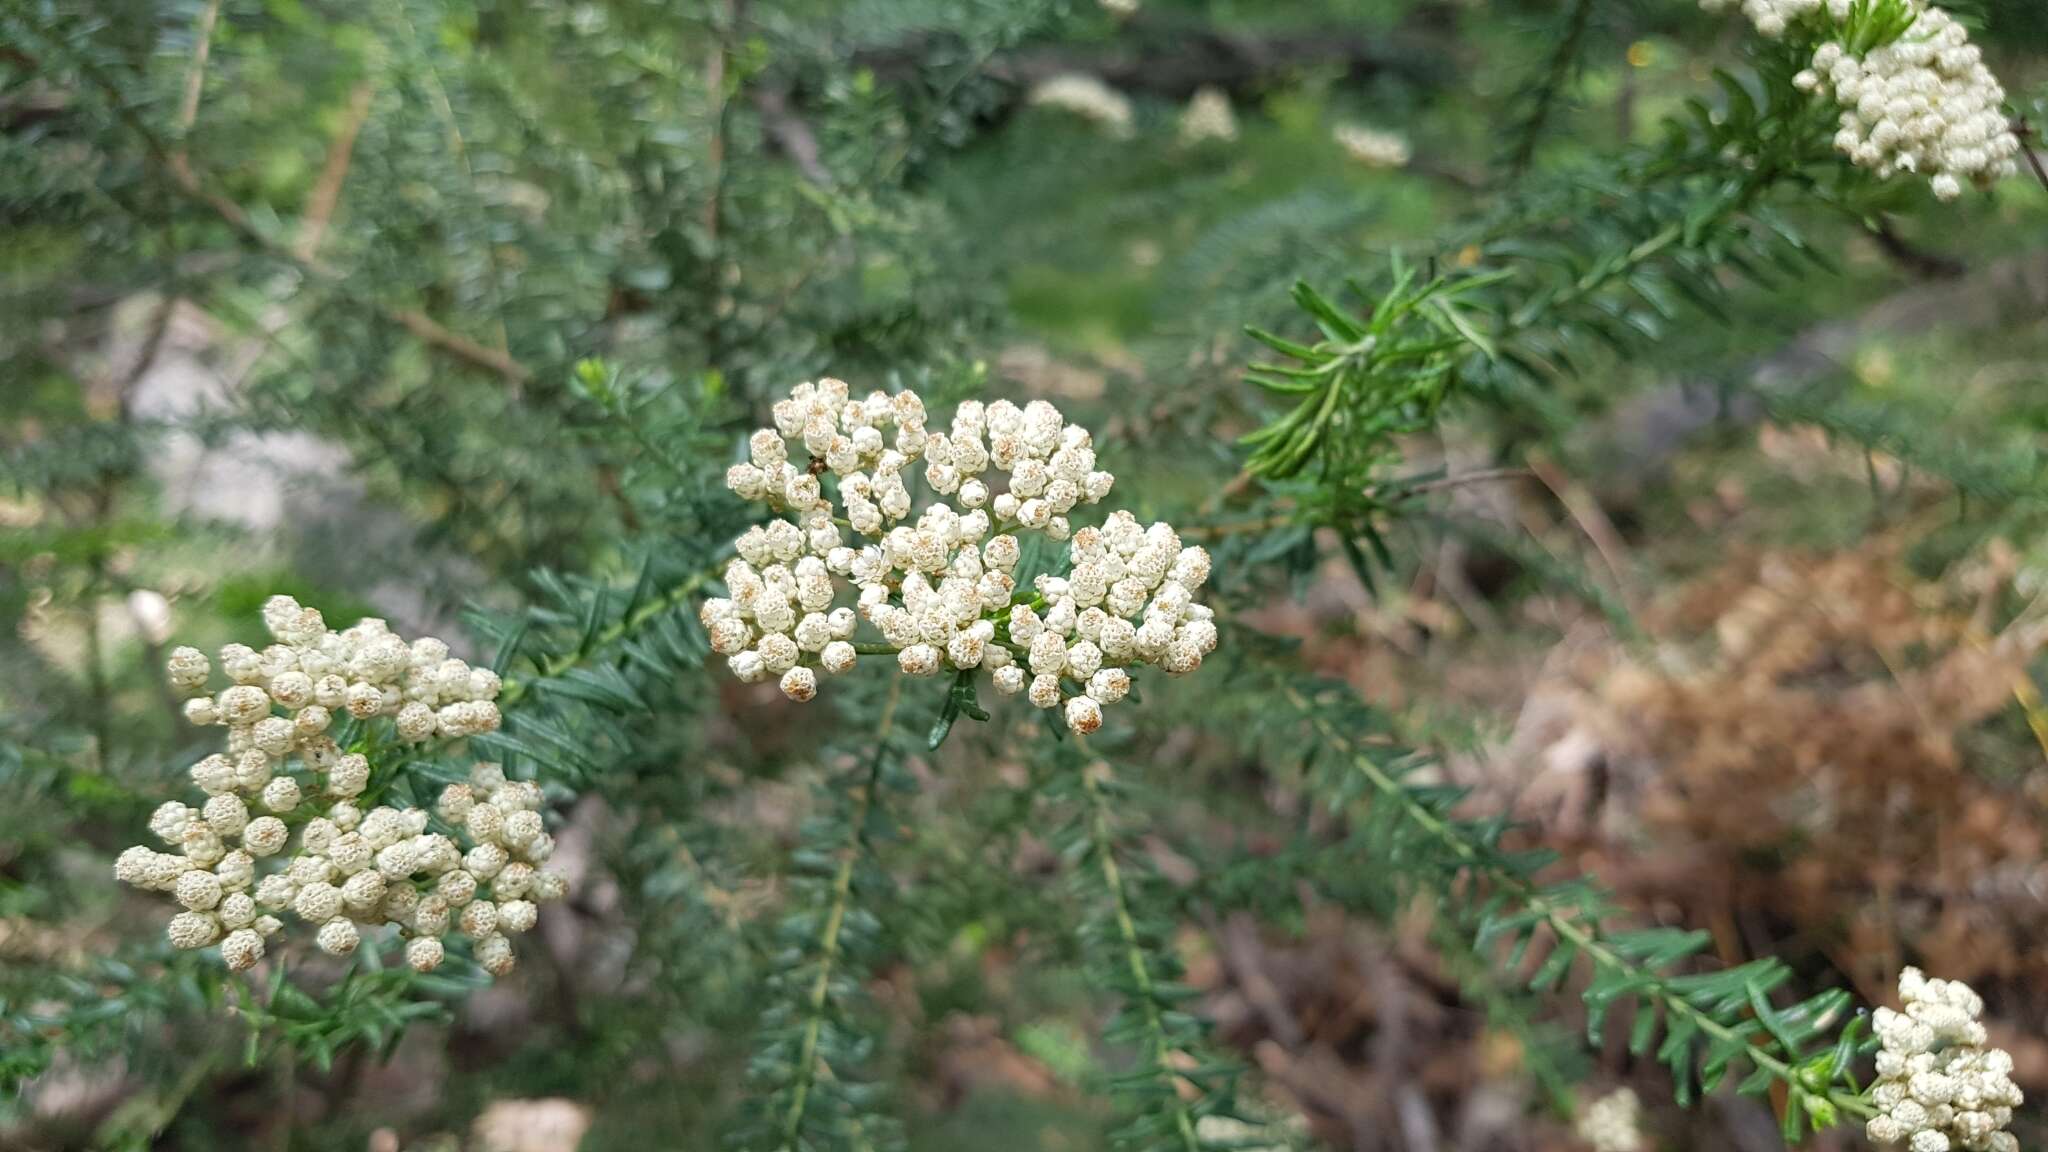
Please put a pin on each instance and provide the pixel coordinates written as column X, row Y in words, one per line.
column 808, row 1066
column 193, row 185
column 1567, row 926
column 1159, row 1047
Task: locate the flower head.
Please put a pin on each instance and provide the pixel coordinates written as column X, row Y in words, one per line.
column 938, row 583
column 1613, row 1123
column 1923, row 103
column 1938, row 1087
column 351, row 870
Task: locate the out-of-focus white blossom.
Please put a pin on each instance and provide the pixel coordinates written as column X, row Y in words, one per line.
column 1208, row 116
column 1938, row 1087
column 937, row 585
column 152, row 614
column 1613, row 1123
column 1923, row 103
column 1372, row 147
column 1087, row 97
column 1773, row 17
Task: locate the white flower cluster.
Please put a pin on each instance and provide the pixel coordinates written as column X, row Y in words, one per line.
column 1371, row 147
column 1772, row 17
column 1208, row 116
column 1613, row 1123
column 311, row 673
column 1923, row 103
column 1087, row 97
column 1938, row 1087
column 941, row 590
column 352, row 868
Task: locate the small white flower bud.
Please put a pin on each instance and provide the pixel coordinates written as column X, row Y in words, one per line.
column 455, row 803
column 317, row 902
column 348, row 776
column 517, row 916
column 188, row 930
column 187, row 670
column 416, row 722
column 430, row 918
column 1045, row 691
column 494, row 954
column 513, row 881
column 549, row 887
column 213, row 775
column 423, row 954
column 237, row 910
column 484, row 823
column 243, row 704
column 457, row 887
column 485, row 861
column 197, row 890
column 338, row 937
column 363, row 891
column 479, row 919
column 226, row 814
column 1109, row 685
column 132, row 866
column 169, row 820
column 236, row 871
column 242, row 949
column 838, row 656
column 276, row 892
column 252, row 770
column 800, row 684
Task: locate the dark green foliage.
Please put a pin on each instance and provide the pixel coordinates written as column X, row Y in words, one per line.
column 1704, row 1025
column 534, row 269
column 1176, row 1077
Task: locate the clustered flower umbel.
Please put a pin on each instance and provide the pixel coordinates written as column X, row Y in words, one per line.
column 351, row 868
column 313, row 672
column 940, row 589
column 1923, row 103
column 1773, row 17
column 1938, row 1087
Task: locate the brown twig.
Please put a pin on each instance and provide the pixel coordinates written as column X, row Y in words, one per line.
column 1928, row 265
column 1393, row 488
column 1476, row 476
column 1592, row 520
column 326, row 194
column 192, row 184
column 195, row 74
column 715, row 65
column 444, row 109
column 2024, row 129
column 791, row 134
